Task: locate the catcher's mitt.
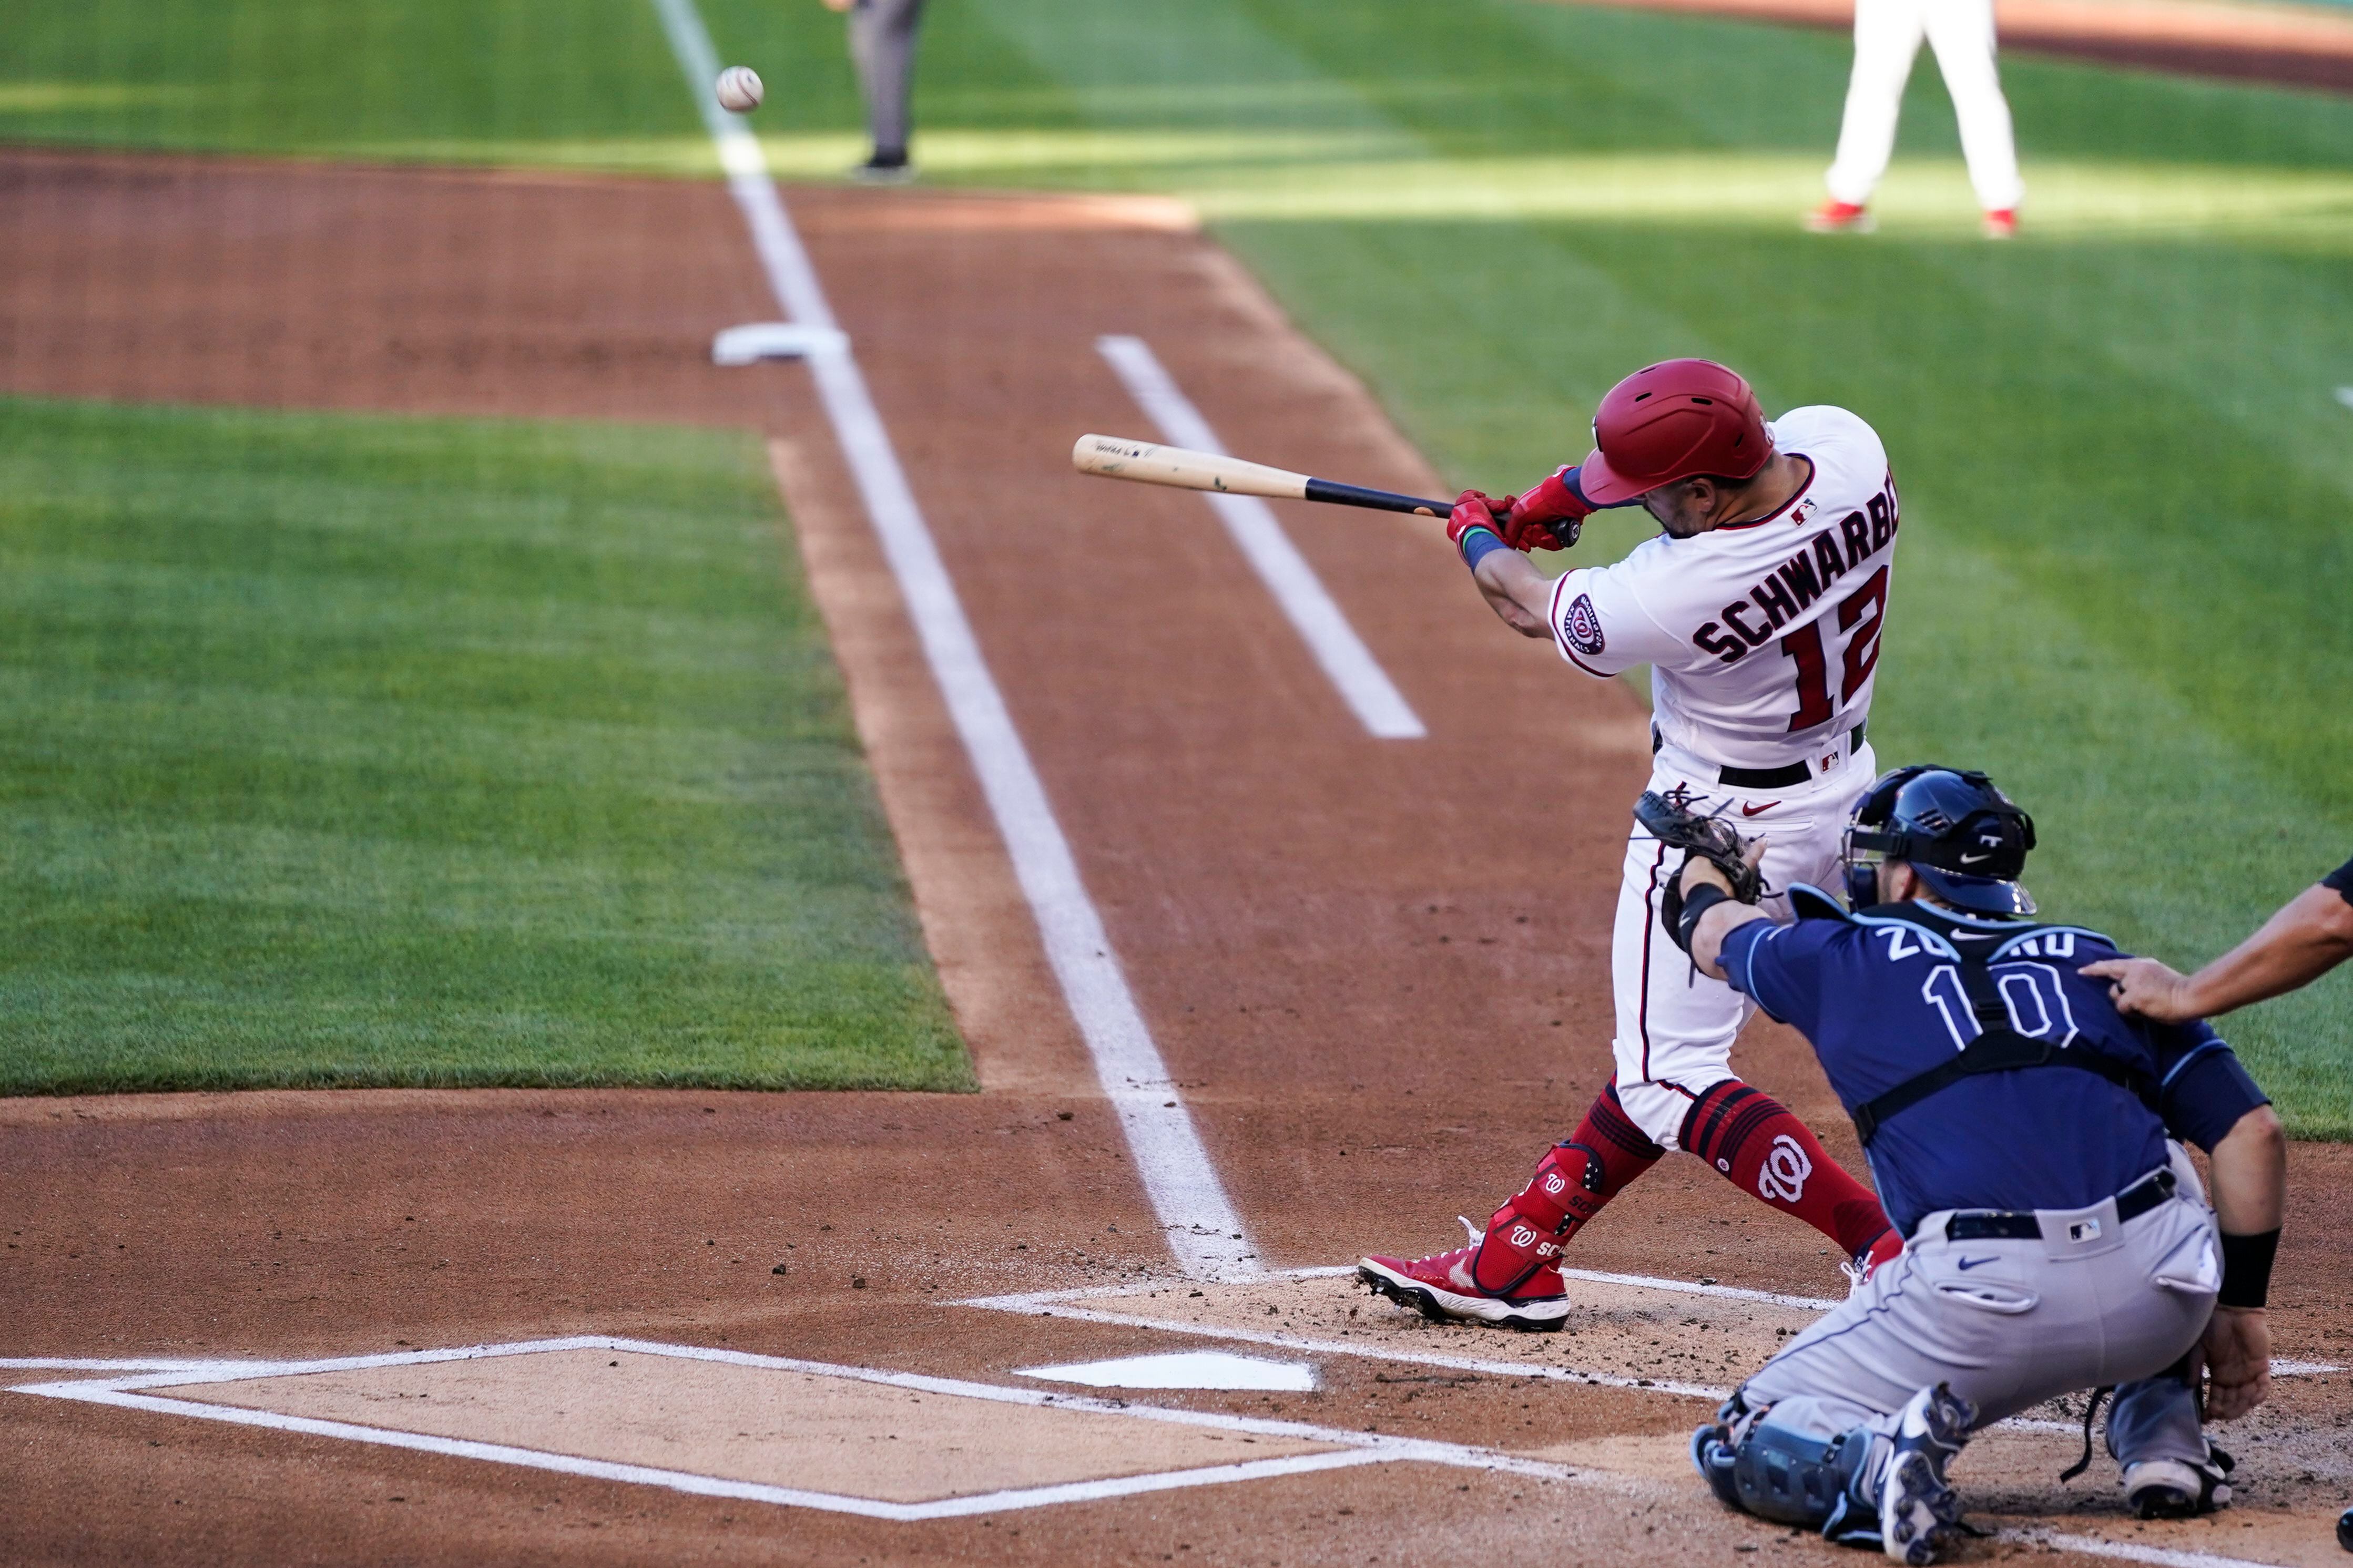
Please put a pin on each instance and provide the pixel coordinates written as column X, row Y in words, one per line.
column 1708, row 838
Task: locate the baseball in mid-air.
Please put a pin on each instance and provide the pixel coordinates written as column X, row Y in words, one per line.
column 739, row 89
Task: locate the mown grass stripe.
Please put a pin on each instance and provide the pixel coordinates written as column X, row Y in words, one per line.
column 338, row 749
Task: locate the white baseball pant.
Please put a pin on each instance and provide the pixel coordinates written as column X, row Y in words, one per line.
column 1887, row 34
column 1675, row 1025
column 2011, row 1323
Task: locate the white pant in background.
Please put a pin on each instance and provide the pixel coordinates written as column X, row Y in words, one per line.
column 1887, row 34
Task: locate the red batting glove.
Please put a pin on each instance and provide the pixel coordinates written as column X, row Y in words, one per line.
column 1548, row 517
column 1474, row 509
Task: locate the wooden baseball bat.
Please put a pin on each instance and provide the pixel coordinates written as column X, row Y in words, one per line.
column 1145, row 462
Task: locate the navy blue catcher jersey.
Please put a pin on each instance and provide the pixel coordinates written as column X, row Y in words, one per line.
column 1880, row 996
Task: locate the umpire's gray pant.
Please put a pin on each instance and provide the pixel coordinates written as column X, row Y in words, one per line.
column 883, row 45
column 2011, row 1323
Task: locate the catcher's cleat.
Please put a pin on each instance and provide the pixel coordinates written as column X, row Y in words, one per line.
column 2001, row 223
column 1444, row 1289
column 1713, row 1458
column 2176, row 1489
column 1916, row 1509
column 1840, row 217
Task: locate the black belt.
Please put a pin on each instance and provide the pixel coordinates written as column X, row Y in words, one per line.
column 1990, row 1225
column 1789, row 778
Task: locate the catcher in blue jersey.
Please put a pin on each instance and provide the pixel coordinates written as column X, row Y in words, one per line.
column 2026, row 1140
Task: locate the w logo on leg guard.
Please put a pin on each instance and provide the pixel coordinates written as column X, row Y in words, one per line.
column 1782, row 1177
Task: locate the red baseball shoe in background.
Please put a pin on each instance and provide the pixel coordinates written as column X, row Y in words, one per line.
column 1840, row 217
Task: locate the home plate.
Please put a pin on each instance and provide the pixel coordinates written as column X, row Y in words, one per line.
column 1183, row 1369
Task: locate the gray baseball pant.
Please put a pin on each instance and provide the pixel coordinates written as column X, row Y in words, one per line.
column 883, row 45
column 2008, row 1323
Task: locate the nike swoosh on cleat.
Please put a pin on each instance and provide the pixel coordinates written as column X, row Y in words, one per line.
column 1973, row 1262
column 1754, row 810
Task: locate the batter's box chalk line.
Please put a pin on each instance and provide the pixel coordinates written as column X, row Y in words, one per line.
column 1337, row 1449
column 1072, row 1304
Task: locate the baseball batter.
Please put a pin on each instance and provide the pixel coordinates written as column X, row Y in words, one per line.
column 2022, row 1129
column 1759, row 608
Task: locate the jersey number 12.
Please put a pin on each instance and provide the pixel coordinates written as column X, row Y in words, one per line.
column 1860, row 612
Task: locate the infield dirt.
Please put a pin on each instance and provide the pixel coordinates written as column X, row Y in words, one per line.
column 1378, row 969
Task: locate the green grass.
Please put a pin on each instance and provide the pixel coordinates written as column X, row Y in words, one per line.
column 2127, row 478
column 338, row 749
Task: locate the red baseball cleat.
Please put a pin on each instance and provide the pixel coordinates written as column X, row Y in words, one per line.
column 2001, row 223
column 1840, row 217
column 1445, row 1286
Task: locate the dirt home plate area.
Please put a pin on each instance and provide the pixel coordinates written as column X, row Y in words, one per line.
column 412, row 1326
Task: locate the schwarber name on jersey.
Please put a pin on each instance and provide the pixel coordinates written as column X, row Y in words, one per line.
column 1763, row 637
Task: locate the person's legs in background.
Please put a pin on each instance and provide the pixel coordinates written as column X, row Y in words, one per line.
column 1962, row 34
column 882, row 45
column 1887, row 34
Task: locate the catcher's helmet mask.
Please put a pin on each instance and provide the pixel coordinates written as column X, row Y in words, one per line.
column 1965, row 839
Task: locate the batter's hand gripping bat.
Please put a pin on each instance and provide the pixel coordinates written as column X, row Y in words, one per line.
column 1117, row 458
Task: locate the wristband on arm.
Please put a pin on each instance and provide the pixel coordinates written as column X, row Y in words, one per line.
column 1477, row 544
column 1697, row 903
column 2247, row 1269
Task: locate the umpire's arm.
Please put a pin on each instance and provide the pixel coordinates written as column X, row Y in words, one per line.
column 2312, row 935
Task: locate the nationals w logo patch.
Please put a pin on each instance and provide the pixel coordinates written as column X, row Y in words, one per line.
column 1582, row 626
column 1782, row 1177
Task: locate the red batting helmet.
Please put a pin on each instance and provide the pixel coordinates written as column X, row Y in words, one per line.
column 1669, row 422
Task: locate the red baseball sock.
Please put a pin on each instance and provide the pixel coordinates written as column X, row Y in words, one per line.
column 1571, row 1184
column 1752, row 1141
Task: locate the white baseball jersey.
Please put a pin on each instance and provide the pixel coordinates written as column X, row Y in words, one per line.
column 1763, row 637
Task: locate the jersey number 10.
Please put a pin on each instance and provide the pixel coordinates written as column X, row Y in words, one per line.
column 1865, row 607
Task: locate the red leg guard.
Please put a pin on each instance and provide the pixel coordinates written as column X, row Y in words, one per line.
column 1752, row 1141
column 1571, row 1184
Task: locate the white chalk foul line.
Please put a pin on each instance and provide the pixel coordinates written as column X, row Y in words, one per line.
column 1363, row 684
column 1355, row 1447
column 2129, row 1551
column 1198, row 1219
